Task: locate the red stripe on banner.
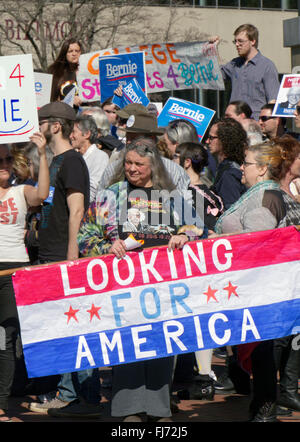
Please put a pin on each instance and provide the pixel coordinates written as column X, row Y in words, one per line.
column 104, row 274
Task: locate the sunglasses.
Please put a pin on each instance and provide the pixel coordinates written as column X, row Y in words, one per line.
column 265, row 118
column 6, row 160
column 298, row 109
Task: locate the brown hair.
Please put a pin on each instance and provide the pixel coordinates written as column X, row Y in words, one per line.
column 61, row 69
column 251, row 31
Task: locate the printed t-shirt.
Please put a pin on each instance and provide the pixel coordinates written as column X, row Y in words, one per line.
column 67, row 171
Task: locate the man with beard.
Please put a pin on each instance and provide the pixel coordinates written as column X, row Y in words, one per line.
column 69, row 178
column 60, row 221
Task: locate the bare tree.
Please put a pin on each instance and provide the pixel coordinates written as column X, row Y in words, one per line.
column 40, row 26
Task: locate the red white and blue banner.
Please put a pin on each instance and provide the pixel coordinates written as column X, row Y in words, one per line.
column 102, row 311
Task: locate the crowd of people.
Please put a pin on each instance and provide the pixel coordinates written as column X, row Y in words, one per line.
column 242, row 177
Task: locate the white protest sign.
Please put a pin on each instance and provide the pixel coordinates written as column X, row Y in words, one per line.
column 42, row 84
column 288, row 96
column 169, row 66
column 18, row 108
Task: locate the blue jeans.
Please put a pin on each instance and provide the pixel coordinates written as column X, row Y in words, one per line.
column 85, row 384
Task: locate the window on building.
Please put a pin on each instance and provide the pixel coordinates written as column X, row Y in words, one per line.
column 229, row 3
column 272, row 4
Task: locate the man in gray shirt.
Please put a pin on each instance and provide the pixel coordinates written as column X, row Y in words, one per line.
column 254, row 78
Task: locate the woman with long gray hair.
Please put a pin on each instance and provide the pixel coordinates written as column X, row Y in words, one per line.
column 136, row 204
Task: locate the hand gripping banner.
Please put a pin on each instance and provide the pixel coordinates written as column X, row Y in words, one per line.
column 102, row 311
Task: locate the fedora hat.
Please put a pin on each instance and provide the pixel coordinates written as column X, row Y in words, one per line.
column 57, row 109
column 143, row 123
column 131, row 109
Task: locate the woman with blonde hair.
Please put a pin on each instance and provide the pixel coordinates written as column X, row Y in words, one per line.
column 261, row 208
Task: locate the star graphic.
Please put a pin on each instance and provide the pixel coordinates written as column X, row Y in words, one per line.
column 210, row 294
column 231, row 290
column 93, row 311
column 71, row 314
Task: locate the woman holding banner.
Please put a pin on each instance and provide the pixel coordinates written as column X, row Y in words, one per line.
column 261, row 208
column 141, row 183
column 14, row 203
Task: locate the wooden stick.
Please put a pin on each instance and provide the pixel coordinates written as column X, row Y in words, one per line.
column 11, row 271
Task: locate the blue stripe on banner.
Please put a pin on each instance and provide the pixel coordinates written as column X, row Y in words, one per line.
column 161, row 339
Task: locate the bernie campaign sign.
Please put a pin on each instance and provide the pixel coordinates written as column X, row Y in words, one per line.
column 118, row 70
column 131, row 93
column 102, row 311
column 176, row 108
column 18, row 107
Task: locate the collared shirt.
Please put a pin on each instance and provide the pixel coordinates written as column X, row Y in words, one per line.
column 255, row 82
column 96, row 161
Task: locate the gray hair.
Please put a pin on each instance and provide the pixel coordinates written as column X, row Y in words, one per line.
column 254, row 132
column 146, row 147
column 86, row 123
column 100, row 118
column 31, row 153
column 181, row 131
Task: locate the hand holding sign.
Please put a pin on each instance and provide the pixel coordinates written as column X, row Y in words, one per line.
column 39, row 139
column 18, row 109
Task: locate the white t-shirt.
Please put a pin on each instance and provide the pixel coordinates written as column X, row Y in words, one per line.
column 13, row 209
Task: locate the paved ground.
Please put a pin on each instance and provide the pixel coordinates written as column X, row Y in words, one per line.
column 230, row 408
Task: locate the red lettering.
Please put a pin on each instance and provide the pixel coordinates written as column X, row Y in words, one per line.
column 12, row 204
column 4, row 218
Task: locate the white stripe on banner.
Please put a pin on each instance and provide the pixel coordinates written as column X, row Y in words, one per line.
column 103, row 311
column 140, row 305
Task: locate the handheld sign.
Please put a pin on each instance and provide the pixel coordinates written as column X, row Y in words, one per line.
column 176, row 108
column 288, row 96
column 117, row 70
column 131, row 93
column 18, row 107
column 42, row 84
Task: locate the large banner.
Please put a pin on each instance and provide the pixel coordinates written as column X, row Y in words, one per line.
column 169, row 66
column 104, row 311
column 18, row 107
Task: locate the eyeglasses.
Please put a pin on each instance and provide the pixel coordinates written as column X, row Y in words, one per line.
column 240, row 42
column 211, row 137
column 7, row 160
column 247, row 163
column 298, row 109
column 265, row 118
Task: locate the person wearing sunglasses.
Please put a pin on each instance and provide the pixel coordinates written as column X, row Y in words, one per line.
column 14, row 203
column 271, row 126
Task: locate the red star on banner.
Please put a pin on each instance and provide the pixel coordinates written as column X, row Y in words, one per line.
column 231, row 290
column 93, row 311
column 210, row 294
column 71, row 314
